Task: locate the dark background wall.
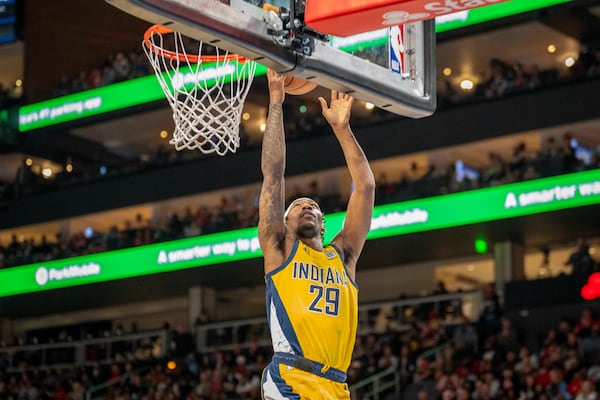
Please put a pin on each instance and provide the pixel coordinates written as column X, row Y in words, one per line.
column 89, row 31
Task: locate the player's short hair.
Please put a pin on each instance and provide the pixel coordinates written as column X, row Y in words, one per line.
column 287, row 211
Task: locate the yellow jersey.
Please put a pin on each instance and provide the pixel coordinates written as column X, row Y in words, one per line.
column 312, row 306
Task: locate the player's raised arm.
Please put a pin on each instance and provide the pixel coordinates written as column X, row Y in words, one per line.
column 360, row 206
column 271, row 227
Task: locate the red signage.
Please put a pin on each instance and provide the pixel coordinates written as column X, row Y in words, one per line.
column 591, row 289
column 351, row 17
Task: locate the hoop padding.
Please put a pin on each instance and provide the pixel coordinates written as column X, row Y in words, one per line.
column 205, row 92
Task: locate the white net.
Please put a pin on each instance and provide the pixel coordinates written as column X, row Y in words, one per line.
column 205, row 92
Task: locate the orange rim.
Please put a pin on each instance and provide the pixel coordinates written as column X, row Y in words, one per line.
column 162, row 30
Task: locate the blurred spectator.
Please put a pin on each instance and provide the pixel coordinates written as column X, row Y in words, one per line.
column 569, row 158
column 489, row 320
column 384, row 189
column 24, row 178
column 182, row 343
column 519, row 163
column 426, row 391
column 590, row 347
column 495, row 170
column 586, row 322
column 465, row 339
column 581, row 259
column 122, row 66
column 498, row 83
column 406, row 365
column 557, row 389
column 587, row 391
column 507, row 339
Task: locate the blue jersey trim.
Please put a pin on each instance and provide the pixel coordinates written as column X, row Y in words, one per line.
column 344, row 264
column 286, row 262
column 284, row 389
column 282, row 317
column 311, row 366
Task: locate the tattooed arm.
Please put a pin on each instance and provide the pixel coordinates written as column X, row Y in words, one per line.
column 271, row 227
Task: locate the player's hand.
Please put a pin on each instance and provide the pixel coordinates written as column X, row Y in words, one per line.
column 276, row 89
column 338, row 112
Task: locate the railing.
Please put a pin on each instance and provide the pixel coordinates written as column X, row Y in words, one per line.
column 381, row 316
column 375, row 385
column 433, row 354
column 144, row 345
column 397, row 315
column 91, row 392
column 225, row 334
column 381, row 382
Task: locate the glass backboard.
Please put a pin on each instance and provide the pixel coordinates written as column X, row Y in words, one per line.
column 393, row 68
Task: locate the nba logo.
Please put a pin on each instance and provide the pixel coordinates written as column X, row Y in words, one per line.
column 397, row 49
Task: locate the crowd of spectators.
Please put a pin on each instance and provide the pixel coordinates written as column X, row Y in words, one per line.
column 565, row 365
column 229, row 214
column 503, row 79
column 233, row 213
column 118, row 67
column 552, row 159
column 490, row 358
column 479, row 360
column 233, row 374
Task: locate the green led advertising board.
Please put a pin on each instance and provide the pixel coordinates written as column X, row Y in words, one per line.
column 479, row 15
column 98, row 101
column 457, row 20
column 476, row 206
column 146, row 89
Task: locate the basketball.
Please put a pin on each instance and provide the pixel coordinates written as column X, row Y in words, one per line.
column 297, row 86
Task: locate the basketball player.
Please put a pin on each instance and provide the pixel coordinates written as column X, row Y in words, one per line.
column 311, row 296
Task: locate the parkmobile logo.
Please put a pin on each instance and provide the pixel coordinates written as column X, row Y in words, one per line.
column 433, row 9
column 43, row 275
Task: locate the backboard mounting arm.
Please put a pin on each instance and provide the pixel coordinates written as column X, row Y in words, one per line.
column 241, row 28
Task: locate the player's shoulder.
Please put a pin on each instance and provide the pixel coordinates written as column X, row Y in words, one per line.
column 277, row 254
column 338, row 244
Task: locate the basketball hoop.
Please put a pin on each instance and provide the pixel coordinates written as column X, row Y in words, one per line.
column 205, row 91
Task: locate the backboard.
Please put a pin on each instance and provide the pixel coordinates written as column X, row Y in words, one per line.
column 393, row 68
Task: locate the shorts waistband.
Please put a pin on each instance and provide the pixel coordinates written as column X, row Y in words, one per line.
column 307, row 365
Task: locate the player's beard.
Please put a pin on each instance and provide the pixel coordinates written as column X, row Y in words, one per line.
column 308, row 231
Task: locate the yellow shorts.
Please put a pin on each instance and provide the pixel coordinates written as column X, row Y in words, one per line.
column 282, row 382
